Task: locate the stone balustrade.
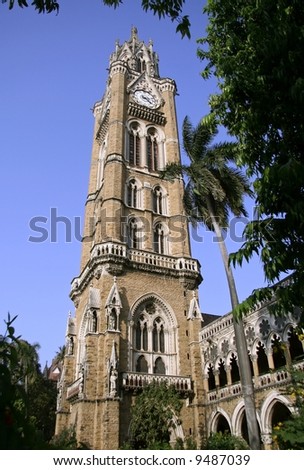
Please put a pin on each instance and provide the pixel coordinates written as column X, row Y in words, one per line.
column 119, row 253
column 137, row 380
column 270, row 379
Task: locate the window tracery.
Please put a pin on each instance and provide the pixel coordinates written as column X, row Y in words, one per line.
column 160, row 239
column 134, row 234
column 159, row 200
column 152, row 150
column 153, row 336
column 132, row 194
column 134, row 145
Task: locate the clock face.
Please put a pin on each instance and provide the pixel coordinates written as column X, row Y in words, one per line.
column 145, row 98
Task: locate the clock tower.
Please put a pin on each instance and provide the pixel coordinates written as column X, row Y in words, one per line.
column 137, row 317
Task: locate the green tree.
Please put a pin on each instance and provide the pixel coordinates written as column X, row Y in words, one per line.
column 225, row 441
column 155, row 410
column 28, row 362
column 289, row 434
column 254, row 49
column 59, row 358
column 162, row 8
column 214, row 189
column 26, row 407
column 15, row 430
column 41, row 406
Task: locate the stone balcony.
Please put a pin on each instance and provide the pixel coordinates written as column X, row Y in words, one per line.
column 137, row 380
column 115, row 256
column 276, row 378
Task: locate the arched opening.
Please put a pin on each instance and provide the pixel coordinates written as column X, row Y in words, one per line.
column 153, row 330
column 222, row 425
column 134, row 234
column 159, row 367
column 152, row 150
column 141, row 365
column 235, row 373
column 211, row 378
column 132, row 198
column 222, row 374
column 134, row 145
column 244, row 428
column 295, row 346
column 280, row 413
column 278, row 355
column 159, row 239
column 262, row 360
column 158, row 203
column 158, row 338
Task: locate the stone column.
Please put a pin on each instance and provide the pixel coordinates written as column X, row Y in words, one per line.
column 287, row 353
column 228, row 373
column 255, row 366
column 270, row 358
column 266, row 439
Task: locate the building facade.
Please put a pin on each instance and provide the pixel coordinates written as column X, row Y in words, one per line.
column 274, row 349
column 137, row 316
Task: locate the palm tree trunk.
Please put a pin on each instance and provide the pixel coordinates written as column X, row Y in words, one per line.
column 241, row 343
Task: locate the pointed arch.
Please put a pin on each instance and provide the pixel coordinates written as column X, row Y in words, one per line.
column 153, row 331
column 134, row 194
column 135, row 234
column 267, row 409
column 134, row 143
column 215, row 417
column 159, row 200
column 160, row 238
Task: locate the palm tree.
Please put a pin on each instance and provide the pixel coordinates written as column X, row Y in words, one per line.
column 60, row 354
column 28, row 362
column 214, row 189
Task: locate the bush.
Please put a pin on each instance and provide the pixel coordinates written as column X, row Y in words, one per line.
column 225, row 441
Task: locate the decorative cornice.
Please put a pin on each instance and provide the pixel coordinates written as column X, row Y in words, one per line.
column 141, row 112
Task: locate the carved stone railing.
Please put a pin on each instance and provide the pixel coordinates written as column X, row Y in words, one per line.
column 270, row 379
column 163, row 261
column 118, row 254
column 138, row 380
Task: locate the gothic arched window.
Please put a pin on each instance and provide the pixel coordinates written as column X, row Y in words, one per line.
column 211, row 378
column 132, row 194
column 133, row 234
column 235, row 373
column 159, row 238
column 152, row 150
column 134, row 145
column 158, row 200
column 222, row 374
column 158, row 338
column 141, row 365
column 142, row 334
column 159, row 366
column 262, row 360
column 153, row 333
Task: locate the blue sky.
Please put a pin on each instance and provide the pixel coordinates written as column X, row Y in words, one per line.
column 53, row 69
